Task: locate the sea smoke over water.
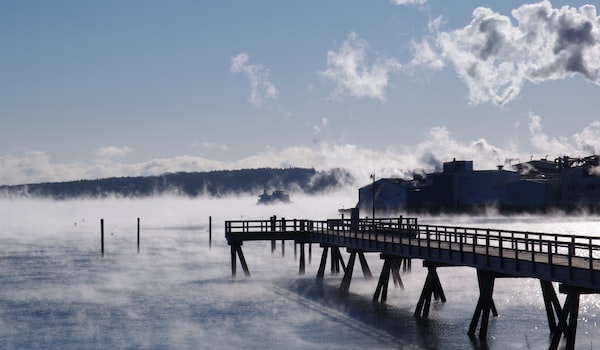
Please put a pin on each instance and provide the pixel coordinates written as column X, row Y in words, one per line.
column 57, row 291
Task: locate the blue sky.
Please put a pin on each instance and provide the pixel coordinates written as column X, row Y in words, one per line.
column 93, row 89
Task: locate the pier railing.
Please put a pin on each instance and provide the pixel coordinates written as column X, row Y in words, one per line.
column 331, row 225
column 510, row 244
column 524, row 245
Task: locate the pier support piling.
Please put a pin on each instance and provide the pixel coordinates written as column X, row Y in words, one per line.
column 395, row 270
column 236, row 249
column 406, row 264
column 432, row 287
column 391, row 265
column 321, row 271
column 553, row 308
column 345, row 286
column 336, row 261
column 365, row 266
column 485, row 303
column 567, row 322
column 302, row 266
column 384, row 279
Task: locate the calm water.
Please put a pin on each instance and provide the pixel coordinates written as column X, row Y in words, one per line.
column 58, row 292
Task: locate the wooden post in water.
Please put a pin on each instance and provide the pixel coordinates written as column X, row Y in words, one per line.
column 210, row 231
column 138, row 235
column 102, row 236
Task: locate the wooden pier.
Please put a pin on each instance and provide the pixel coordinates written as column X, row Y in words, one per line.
column 572, row 261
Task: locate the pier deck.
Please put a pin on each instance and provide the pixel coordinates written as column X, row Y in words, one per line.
column 571, row 260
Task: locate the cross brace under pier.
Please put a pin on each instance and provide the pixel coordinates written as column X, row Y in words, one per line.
column 432, row 287
column 336, row 261
column 567, row 321
column 345, row 286
column 391, row 265
column 485, row 303
column 236, row 250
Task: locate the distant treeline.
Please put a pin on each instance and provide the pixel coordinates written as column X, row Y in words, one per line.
column 213, row 183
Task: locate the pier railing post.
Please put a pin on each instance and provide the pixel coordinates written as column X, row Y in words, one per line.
column 460, row 243
column 474, row 235
column 532, row 255
column 570, row 255
column 428, row 242
column 550, row 259
column 500, row 250
column 487, row 248
column 517, row 253
column 409, row 242
column 591, row 260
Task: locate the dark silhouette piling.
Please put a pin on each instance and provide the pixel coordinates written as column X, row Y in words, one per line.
column 102, row 236
column 138, row 235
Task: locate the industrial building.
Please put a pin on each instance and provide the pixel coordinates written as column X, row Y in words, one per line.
column 539, row 185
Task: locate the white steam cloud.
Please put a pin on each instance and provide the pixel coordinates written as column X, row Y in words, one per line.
column 349, row 70
column 438, row 146
column 495, row 55
column 261, row 88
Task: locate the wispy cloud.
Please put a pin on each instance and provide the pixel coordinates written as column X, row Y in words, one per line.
column 408, row 2
column 262, row 89
column 36, row 166
column 214, row 145
column 495, row 57
column 317, row 128
column 113, row 151
column 425, row 56
column 351, row 73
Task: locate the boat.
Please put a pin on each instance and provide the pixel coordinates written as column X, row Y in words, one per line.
column 274, row 197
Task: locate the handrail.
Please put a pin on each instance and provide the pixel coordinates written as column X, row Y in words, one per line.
column 524, row 244
column 282, row 224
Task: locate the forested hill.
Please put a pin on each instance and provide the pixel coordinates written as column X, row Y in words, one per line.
column 213, row 183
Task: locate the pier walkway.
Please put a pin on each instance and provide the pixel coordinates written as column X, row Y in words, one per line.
column 572, row 261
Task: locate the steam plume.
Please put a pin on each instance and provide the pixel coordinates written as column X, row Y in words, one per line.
column 349, row 70
column 495, row 57
column 261, row 88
